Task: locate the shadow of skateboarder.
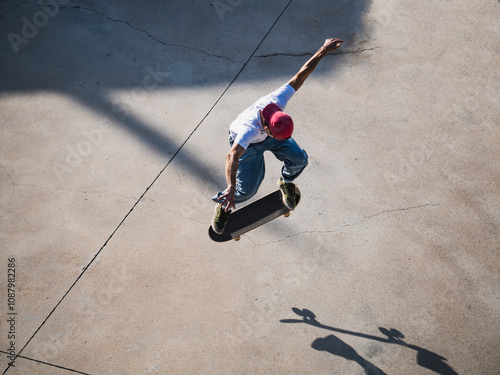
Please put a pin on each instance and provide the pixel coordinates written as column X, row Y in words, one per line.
column 334, row 345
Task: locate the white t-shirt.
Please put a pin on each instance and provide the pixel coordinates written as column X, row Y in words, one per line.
column 247, row 128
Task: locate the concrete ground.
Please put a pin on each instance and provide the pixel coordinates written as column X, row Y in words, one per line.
column 113, row 133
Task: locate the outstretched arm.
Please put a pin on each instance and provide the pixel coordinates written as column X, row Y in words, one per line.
column 330, row 45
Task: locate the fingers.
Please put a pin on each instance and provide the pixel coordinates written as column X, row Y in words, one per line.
column 335, row 42
column 227, row 205
column 227, row 202
column 332, row 44
column 223, row 201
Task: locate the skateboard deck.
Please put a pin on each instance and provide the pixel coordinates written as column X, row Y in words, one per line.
column 252, row 216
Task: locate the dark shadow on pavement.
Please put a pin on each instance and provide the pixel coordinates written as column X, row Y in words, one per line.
column 333, row 345
column 157, row 140
column 88, row 49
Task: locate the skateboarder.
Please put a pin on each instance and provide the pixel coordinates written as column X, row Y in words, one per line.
column 265, row 127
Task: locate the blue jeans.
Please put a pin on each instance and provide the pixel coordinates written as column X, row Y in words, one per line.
column 251, row 166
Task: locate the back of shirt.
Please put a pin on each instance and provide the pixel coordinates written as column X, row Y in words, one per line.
column 247, row 128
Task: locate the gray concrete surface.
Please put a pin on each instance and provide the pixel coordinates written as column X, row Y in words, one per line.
column 114, row 119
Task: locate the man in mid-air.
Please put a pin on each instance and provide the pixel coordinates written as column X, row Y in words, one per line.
column 265, row 127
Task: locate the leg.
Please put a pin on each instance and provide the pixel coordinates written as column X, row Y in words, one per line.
column 294, row 161
column 294, row 158
column 251, row 171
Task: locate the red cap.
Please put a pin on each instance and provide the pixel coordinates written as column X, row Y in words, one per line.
column 280, row 124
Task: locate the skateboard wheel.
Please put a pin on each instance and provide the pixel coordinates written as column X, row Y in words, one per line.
column 237, row 238
column 287, row 214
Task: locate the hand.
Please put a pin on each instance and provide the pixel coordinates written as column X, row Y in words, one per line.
column 332, row 44
column 228, row 199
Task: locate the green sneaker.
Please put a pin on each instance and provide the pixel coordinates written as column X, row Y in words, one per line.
column 220, row 219
column 290, row 194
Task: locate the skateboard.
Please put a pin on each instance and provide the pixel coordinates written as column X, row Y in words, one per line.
column 252, row 216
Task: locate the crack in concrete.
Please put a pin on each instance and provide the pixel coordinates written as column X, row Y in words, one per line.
column 132, row 27
column 357, row 51
column 146, row 32
column 339, row 52
column 8, row 175
column 44, row 363
column 286, row 54
column 349, row 225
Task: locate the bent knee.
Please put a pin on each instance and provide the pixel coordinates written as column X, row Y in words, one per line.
column 244, row 195
column 305, row 158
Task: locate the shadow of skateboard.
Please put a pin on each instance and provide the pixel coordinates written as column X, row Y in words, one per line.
column 252, row 216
